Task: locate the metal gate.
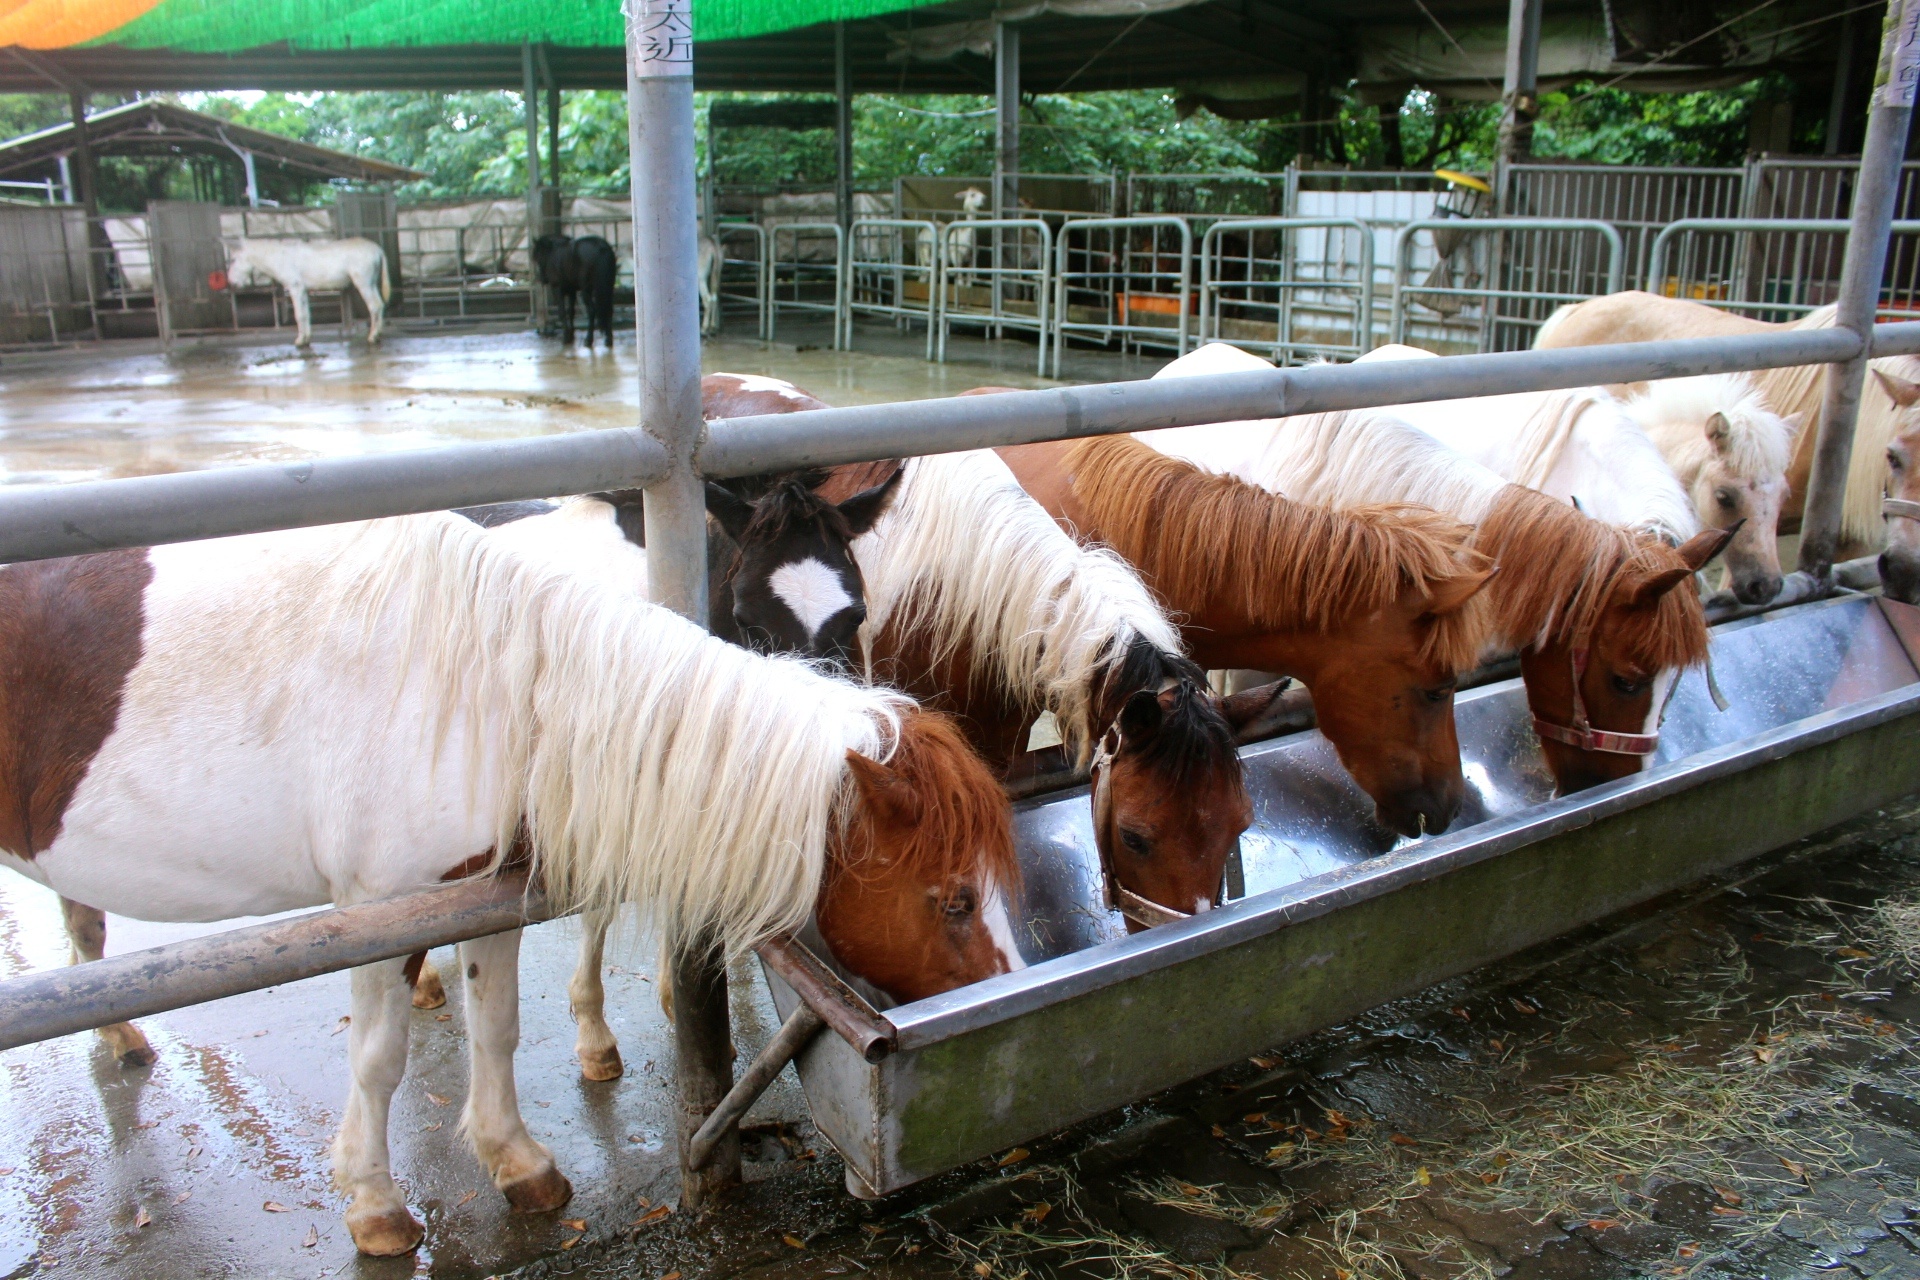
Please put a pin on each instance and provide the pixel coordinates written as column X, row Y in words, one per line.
column 184, row 238
column 1296, row 288
column 45, row 293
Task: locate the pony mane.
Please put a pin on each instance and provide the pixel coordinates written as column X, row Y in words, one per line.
column 645, row 760
column 1544, row 546
column 963, row 823
column 1198, row 536
column 1802, row 389
column 1556, row 419
column 964, row 556
column 1674, row 411
column 1367, row 457
column 1195, row 739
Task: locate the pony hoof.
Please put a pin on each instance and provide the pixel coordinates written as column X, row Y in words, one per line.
column 601, row 1064
column 428, row 993
column 386, row 1234
column 538, row 1193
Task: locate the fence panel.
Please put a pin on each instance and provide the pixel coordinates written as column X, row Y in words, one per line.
column 996, row 272
column 46, row 293
column 1296, row 288
column 1637, row 200
column 1131, row 280
column 1542, row 264
column 1774, row 269
column 893, row 273
column 811, row 274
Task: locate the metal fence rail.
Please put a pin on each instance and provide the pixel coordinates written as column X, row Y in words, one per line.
column 1308, row 269
column 741, row 271
column 1130, row 282
column 812, row 283
column 1509, row 294
column 893, row 271
column 1014, row 259
column 1772, row 269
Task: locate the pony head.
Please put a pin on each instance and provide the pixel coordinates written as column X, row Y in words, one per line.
column 1900, row 562
column 796, row 587
column 545, row 253
column 1170, row 802
column 242, row 271
column 1731, row 451
column 921, row 873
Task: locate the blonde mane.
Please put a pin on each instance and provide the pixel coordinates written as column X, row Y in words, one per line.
column 1201, row 538
column 1803, row 388
column 1368, row 457
column 1674, row 412
column 641, row 759
column 968, row 558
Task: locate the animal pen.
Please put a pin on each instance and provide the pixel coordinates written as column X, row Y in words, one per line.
column 1326, row 916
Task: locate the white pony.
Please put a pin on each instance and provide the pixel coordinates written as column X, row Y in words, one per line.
column 707, row 270
column 1731, row 451
column 350, row 712
column 299, row 266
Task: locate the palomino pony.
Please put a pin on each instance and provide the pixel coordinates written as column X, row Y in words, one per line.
column 1375, row 610
column 979, row 603
column 300, row 266
column 1887, row 402
column 260, row 723
column 1598, row 613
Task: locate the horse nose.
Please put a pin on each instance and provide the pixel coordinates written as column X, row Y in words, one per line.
column 1757, row 589
column 1900, row 576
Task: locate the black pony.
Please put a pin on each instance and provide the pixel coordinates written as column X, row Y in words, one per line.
column 572, row 267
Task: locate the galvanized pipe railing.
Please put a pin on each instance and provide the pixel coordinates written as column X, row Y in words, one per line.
column 39, row 522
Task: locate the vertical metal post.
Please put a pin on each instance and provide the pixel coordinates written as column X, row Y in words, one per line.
column 529, row 96
column 666, row 300
column 1520, row 92
column 1006, row 121
column 1874, row 192
column 842, row 129
column 1842, row 82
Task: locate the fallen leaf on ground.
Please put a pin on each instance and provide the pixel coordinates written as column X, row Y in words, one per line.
column 1218, row 1132
column 1524, row 1007
column 1727, row 1211
column 341, row 1025
column 982, row 1269
column 1458, row 1012
column 794, row 1242
column 1038, row 1213
column 574, row 1224
column 436, row 1100
column 1855, row 953
column 193, row 1151
column 1794, row 1167
column 1188, row 1189
column 465, row 1199
column 443, row 1017
column 1602, row 1224
column 142, row 1218
column 671, row 1275
column 1729, row 1195
column 1762, row 1053
column 571, row 1241
column 1688, row 1251
column 1014, row 1156
column 312, row 1238
column 1265, row 1064
column 183, row 1197
column 1253, row 1117
column 1281, row 1152
column 652, row 1215
column 274, row 1206
column 1401, row 1140
column 644, row 1202
column 1422, row 1177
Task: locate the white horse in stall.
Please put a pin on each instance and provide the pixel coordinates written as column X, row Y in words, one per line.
column 707, row 274
column 300, row 266
column 261, row 723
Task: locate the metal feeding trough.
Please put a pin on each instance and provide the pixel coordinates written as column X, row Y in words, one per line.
column 1339, row 915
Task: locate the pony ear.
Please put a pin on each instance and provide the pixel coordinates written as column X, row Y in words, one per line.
column 1455, row 592
column 1795, row 421
column 864, row 509
column 1696, row 551
column 1260, row 713
column 733, row 513
column 1904, row 393
column 1719, row 432
column 885, row 790
column 1143, row 715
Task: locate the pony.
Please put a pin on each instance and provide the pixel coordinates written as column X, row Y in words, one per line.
column 1730, row 451
column 1375, row 610
column 299, row 266
column 571, row 267
column 1887, row 402
column 1900, row 560
column 274, row 721
column 1579, row 446
column 707, row 268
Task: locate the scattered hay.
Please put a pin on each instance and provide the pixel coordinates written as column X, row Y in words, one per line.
column 1895, row 925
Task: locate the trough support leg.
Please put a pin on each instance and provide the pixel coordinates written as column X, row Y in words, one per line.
column 1874, row 194
column 666, row 300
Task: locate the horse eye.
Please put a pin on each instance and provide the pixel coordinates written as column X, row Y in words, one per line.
column 1626, row 688
column 1136, row 842
column 960, row 904
column 1894, row 460
column 1438, row 695
column 1726, row 499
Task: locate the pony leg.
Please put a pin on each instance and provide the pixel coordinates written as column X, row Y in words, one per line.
column 428, row 991
column 378, row 1218
column 87, row 932
column 522, row 1169
column 598, row 1051
column 376, row 309
column 302, row 318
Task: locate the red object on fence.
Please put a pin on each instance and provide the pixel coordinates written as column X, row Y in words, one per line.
column 216, row 280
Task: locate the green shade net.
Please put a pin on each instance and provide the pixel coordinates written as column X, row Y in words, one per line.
column 225, row 26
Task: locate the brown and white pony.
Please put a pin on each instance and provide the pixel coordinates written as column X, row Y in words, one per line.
column 1602, row 616
column 1887, row 402
column 977, row 602
column 261, row 723
column 1376, row 610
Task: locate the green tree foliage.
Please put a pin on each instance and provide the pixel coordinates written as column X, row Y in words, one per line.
column 1613, row 126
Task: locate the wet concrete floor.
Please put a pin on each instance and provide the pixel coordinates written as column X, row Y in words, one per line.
column 1725, row 1087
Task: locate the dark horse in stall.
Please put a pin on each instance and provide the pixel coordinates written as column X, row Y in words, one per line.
column 572, row 267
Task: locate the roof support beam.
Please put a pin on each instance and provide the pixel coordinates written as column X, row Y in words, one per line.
column 1520, row 93
column 1006, row 121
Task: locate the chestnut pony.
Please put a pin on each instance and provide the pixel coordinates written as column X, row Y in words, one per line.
column 256, row 724
column 1376, row 610
column 978, row 603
